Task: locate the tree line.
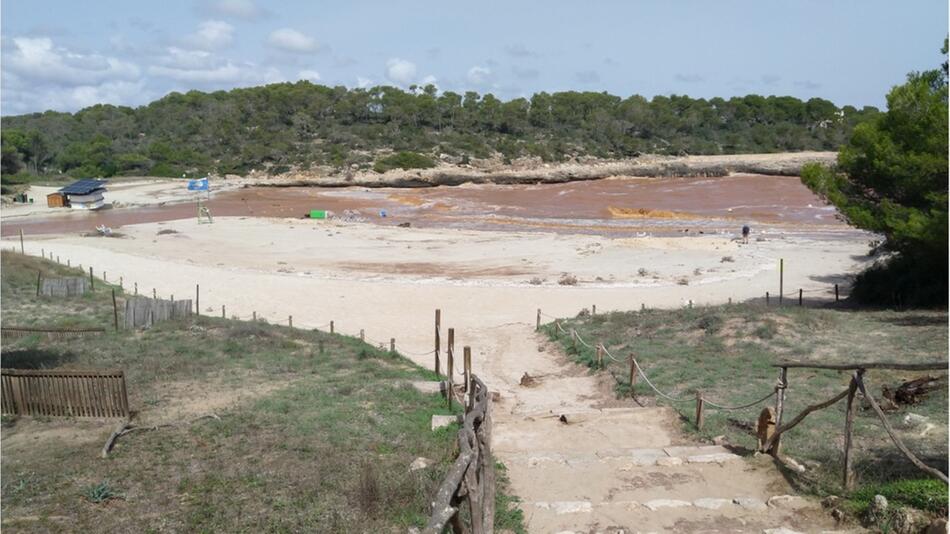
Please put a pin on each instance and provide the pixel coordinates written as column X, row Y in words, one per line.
column 305, row 125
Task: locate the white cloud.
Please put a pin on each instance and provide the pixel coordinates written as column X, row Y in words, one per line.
column 430, row 79
column 291, row 40
column 362, row 82
column 310, row 75
column 478, row 75
column 211, row 35
column 244, row 9
column 37, row 60
column 205, row 68
column 400, row 71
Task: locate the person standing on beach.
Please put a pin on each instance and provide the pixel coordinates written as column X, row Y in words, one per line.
column 745, row 234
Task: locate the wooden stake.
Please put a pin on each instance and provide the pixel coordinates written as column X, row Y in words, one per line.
column 781, row 279
column 643, row 307
column 115, row 311
column 331, row 327
column 691, row 304
column 43, row 253
column 197, row 299
column 438, row 341
column 593, row 309
column 766, row 298
column 222, row 311
column 104, row 277
column 836, row 292
column 556, row 328
column 450, row 363
column 290, row 320
column 573, row 340
column 848, row 475
column 92, row 282
column 57, row 261
column 537, row 324
column 600, row 355
column 730, row 300
column 362, row 335
column 467, row 363
column 254, row 316
column 776, row 447
column 799, row 297
column 38, row 275
column 392, row 345
column 633, row 376
column 136, row 288
column 22, row 251
column 120, row 283
column 154, row 293
column 700, row 416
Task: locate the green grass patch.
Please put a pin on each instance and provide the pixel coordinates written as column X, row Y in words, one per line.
column 403, row 160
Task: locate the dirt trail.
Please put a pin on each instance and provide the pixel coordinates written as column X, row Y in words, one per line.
column 616, row 467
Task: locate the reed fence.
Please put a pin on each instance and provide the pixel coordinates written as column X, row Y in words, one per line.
column 50, row 333
column 50, row 392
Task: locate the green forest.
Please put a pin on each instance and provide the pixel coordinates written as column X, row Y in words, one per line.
column 303, row 125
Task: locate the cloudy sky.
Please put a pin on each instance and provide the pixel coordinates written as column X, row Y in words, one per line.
column 68, row 54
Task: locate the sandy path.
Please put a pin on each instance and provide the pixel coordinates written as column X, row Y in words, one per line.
column 599, row 473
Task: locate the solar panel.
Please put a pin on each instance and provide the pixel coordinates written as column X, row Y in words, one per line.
column 83, row 187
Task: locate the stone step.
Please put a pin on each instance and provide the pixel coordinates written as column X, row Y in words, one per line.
column 580, row 431
column 662, row 456
column 704, row 514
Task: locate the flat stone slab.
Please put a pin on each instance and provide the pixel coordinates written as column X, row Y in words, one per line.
column 718, row 457
column 702, row 450
column 567, row 507
column 786, row 501
column 781, row 530
column 669, row 461
column 656, row 504
column 750, row 503
column 712, row 504
column 439, row 421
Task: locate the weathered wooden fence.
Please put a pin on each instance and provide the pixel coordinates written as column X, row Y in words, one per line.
column 472, row 477
column 142, row 312
column 856, row 385
column 52, row 392
column 64, row 287
column 50, row 333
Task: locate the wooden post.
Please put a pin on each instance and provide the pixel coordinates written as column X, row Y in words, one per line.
column 120, row 282
column 136, row 288
column 438, row 341
column 43, row 253
column 115, row 311
column 799, row 297
column 172, row 298
column 600, row 355
column 467, row 368
column 730, row 300
column 92, row 282
column 154, row 293
column 573, row 340
column 57, row 261
column 848, row 475
column 593, row 309
column 556, row 325
column 766, row 298
column 633, row 376
column 38, row 276
column 254, row 316
column 537, row 324
column 781, row 279
column 197, row 299
column 331, row 327
column 222, row 311
column 392, row 345
column 290, row 320
column 643, row 307
column 450, row 363
column 362, row 335
column 104, row 277
column 836, row 293
column 22, row 251
column 700, row 416
column 691, row 304
column 775, row 450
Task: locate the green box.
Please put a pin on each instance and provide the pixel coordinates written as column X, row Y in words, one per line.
column 318, row 214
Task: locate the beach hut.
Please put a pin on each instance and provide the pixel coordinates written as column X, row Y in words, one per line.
column 56, row 200
column 84, row 194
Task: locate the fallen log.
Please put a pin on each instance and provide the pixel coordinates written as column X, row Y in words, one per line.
column 913, row 391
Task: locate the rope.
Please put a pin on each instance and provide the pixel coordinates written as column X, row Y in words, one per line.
column 751, row 404
column 658, row 392
column 399, row 350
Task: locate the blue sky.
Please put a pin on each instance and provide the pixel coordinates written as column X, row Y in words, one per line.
column 65, row 55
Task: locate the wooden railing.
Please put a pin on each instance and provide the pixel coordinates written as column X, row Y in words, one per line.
column 472, row 476
column 857, row 384
column 50, row 392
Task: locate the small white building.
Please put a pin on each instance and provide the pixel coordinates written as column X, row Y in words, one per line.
column 84, row 194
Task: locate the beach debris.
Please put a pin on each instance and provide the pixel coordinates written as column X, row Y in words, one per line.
column 535, row 281
column 913, row 391
column 567, row 279
column 528, row 381
column 404, row 225
column 104, row 230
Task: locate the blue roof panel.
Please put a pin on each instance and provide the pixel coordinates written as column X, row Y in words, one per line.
column 83, row 187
